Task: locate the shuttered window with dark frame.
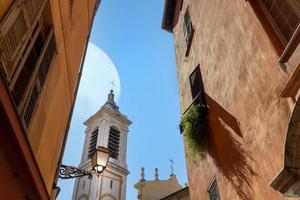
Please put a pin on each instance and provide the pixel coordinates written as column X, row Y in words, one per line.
column 28, row 46
column 187, row 27
column 197, row 89
column 31, row 105
column 213, row 191
column 188, row 31
column 44, row 66
column 284, row 16
column 113, row 143
column 93, row 143
column 28, row 69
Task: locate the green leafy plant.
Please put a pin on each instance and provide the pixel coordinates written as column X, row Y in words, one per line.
column 195, row 130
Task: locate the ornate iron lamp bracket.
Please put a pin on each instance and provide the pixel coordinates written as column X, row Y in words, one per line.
column 66, row 172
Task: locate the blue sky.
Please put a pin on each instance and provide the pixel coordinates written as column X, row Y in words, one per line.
column 129, row 33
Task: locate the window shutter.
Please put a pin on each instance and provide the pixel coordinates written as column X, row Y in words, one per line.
column 195, row 83
column 113, row 143
column 93, row 143
column 47, row 59
column 44, row 57
column 197, row 89
column 284, row 16
column 13, row 32
column 34, row 6
column 31, row 105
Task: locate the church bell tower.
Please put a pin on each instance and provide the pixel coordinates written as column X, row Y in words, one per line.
column 107, row 128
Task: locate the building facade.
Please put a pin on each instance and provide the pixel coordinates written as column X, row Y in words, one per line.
column 156, row 189
column 182, row 194
column 107, row 128
column 241, row 61
column 43, row 43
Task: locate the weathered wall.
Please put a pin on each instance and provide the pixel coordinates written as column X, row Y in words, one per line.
column 4, row 6
column 48, row 128
column 182, row 194
column 157, row 189
column 242, row 80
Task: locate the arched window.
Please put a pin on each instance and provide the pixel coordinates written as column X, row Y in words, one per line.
column 93, row 142
column 114, row 142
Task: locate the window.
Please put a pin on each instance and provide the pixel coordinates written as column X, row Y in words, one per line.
column 187, row 30
column 93, row 142
column 213, row 190
column 113, row 143
column 15, row 28
column 197, row 89
column 284, row 16
column 45, row 61
column 28, row 45
column 27, row 69
column 111, row 184
column 197, row 92
column 30, row 106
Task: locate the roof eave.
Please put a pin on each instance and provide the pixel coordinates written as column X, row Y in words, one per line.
column 168, row 16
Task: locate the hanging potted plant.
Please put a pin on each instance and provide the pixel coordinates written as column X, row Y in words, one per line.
column 195, row 130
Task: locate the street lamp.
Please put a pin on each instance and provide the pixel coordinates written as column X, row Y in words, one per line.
column 99, row 162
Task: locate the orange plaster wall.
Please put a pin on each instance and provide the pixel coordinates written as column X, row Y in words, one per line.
column 48, row 128
column 243, row 80
column 4, row 6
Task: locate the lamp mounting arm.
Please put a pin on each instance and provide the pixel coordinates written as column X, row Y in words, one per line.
column 66, row 172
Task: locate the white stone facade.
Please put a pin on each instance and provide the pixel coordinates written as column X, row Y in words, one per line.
column 111, row 184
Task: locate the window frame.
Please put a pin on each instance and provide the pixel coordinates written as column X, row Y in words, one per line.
column 12, row 70
column 198, row 98
column 188, row 30
column 213, row 182
column 275, row 25
column 35, row 79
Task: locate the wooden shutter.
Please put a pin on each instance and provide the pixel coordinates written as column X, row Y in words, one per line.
column 12, row 34
column 34, row 6
column 31, row 105
column 43, row 64
column 47, row 58
column 15, row 31
column 284, row 16
column 195, row 82
column 28, row 69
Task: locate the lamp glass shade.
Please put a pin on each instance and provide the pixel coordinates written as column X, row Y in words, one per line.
column 100, row 159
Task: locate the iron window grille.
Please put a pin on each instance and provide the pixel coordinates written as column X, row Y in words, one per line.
column 213, row 190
